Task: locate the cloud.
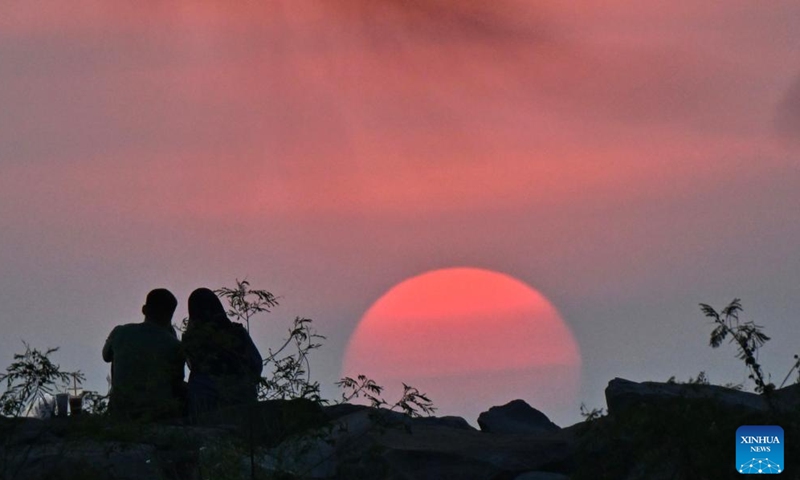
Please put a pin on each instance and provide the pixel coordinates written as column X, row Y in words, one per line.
column 364, row 106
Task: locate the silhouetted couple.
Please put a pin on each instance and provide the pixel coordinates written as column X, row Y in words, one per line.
column 147, row 361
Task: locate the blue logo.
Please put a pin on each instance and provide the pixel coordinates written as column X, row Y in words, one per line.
column 759, row 449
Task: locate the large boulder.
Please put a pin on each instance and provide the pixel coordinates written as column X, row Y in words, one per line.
column 621, row 395
column 515, row 417
column 787, row 399
column 436, row 452
column 310, row 456
column 669, row 430
column 342, row 409
column 372, row 444
column 270, row 422
column 446, row 421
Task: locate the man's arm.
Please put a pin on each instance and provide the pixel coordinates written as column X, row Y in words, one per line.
column 108, row 352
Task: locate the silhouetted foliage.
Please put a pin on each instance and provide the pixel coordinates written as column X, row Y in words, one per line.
column 245, row 302
column 413, row 402
column 795, row 368
column 30, row 378
column 362, row 386
column 701, row 379
column 590, row 415
column 748, row 337
column 289, row 367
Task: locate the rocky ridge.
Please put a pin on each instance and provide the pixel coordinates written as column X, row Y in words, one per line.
column 301, row 440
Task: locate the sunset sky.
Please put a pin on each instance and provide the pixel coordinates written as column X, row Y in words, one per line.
column 627, row 159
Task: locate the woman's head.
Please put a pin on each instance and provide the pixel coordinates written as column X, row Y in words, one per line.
column 205, row 305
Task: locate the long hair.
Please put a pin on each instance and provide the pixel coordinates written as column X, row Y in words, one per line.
column 205, row 306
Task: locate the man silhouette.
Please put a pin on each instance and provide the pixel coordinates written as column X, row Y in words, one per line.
column 147, row 363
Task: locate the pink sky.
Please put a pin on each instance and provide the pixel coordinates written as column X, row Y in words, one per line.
column 627, row 159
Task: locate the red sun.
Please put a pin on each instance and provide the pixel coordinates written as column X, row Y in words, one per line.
column 470, row 339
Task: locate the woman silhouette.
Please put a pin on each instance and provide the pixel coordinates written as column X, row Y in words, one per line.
column 225, row 364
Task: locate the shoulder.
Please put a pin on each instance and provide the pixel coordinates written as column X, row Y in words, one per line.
column 124, row 329
column 196, row 331
column 239, row 330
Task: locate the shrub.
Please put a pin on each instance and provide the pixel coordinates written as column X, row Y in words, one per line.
column 30, row 378
column 748, row 338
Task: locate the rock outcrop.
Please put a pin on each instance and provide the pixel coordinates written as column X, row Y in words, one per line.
column 653, row 430
column 515, row 417
column 623, row 394
column 357, row 442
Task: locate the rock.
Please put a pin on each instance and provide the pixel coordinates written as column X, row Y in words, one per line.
column 515, row 417
column 386, row 418
column 300, row 439
column 342, row 409
column 541, row 476
column 623, row 394
column 82, row 459
column 436, row 465
column 787, row 399
column 653, row 422
column 306, row 457
column 366, row 443
column 270, row 422
column 372, row 444
column 27, row 430
column 443, row 452
column 446, row 421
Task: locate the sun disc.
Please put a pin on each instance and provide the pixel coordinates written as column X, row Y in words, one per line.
column 467, row 336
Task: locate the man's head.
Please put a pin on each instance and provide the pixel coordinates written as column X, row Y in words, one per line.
column 159, row 306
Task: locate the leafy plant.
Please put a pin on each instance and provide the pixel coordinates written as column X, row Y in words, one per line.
column 748, row 338
column 245, row 302
column 30, row 379
column 362, row 386
column 590, row 415
column 289, row 367
column 288, row 370
column 413, row 403
column 701, row 379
